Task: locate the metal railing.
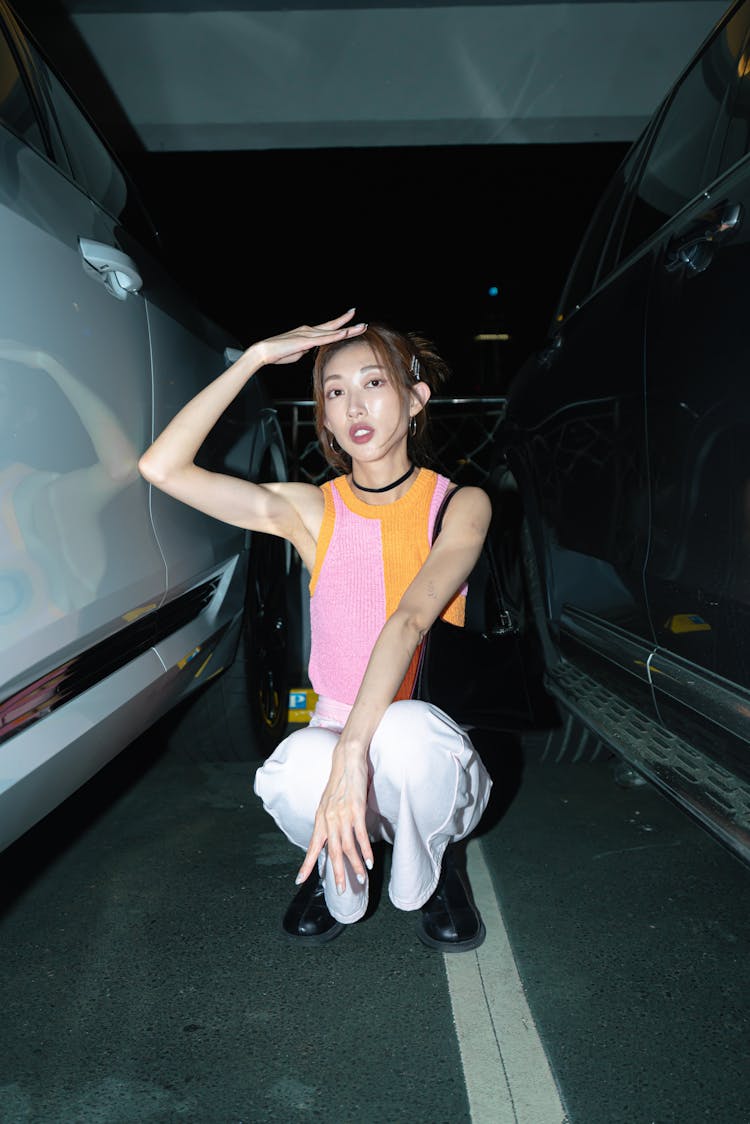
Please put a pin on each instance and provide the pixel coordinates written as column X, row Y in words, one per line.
column 463, row 438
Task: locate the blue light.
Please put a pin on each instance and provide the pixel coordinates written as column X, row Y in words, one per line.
column 493, row 291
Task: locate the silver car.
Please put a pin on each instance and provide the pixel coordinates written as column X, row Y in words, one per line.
column 116, row 602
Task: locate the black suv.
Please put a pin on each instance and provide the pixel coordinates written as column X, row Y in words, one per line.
column 628, row 435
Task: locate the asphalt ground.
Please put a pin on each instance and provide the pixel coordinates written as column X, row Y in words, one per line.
column 630, row 927
column 145, row 977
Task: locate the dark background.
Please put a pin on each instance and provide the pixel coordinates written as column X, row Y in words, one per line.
column 266, row 240
column 415, row 236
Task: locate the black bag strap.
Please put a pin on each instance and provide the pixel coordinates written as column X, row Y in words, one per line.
column 442, row 509
column 505, row 617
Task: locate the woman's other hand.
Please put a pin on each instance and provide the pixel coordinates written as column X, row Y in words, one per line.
column 340, row 820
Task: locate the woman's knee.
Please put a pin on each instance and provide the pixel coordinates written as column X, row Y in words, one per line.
column 413, row 741
column 298, row 769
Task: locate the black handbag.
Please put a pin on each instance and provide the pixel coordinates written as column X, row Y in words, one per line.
column 477, row 673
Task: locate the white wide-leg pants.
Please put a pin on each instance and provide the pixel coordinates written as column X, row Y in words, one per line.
column 428, row 788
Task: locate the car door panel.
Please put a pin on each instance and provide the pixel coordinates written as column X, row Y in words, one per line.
column 185, row 361
column 582, row 410
column 698, row 572
column 75, row 377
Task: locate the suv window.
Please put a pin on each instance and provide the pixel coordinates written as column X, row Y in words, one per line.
column 16, row 107
column 94, row 167
column 597, row 238
column 737, row 139
column 92, row 163
column 683, row 158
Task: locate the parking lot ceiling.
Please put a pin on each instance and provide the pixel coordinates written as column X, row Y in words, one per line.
column 224, row 75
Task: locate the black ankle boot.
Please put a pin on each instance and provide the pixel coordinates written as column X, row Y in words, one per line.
column 449, row 921
column 308, row 919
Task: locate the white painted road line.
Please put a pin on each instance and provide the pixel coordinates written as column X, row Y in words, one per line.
column 507, row 1075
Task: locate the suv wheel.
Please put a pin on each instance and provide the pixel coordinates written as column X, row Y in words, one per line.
column 265, row 631
column 242, row 715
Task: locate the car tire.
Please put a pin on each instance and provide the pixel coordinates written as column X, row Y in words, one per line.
column 242, row 714
column 264, row 643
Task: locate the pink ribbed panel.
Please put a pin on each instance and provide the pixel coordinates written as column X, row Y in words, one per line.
column 441, row 487
column 348, row 609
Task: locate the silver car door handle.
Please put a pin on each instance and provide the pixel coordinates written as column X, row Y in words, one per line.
column 118, row 272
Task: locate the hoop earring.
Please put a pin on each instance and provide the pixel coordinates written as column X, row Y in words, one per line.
column 413, row 425
column 333, row 444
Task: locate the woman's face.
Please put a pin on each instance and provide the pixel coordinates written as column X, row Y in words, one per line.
column 364, row 407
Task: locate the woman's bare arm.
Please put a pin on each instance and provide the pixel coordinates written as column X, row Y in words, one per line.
column 288, row 510
column 340, row 819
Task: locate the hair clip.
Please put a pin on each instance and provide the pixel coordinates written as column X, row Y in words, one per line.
column 415, row 368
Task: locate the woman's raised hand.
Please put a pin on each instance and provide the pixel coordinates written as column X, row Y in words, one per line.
column 290, row 346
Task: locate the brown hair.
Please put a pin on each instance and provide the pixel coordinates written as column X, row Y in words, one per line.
column 400, row 354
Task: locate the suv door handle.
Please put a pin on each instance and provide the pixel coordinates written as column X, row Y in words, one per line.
column 116, row 270
column 548, row 354
column 694, row 249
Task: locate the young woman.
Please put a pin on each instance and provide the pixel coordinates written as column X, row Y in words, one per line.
column 373, row 763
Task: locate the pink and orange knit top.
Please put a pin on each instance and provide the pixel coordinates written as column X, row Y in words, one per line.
column 366, row 558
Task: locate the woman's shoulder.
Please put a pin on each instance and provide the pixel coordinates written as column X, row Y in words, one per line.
column 472, row 493
column 470, row 501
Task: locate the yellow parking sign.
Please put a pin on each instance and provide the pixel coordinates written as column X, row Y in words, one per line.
column 687, row 622
column 302, row 702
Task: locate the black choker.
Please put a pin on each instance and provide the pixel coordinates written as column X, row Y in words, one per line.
column 388, row 487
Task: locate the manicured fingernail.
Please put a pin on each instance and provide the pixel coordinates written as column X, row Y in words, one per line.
column 299, row 880
column 368, row 864
column 361, row 879
column 340, row 887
